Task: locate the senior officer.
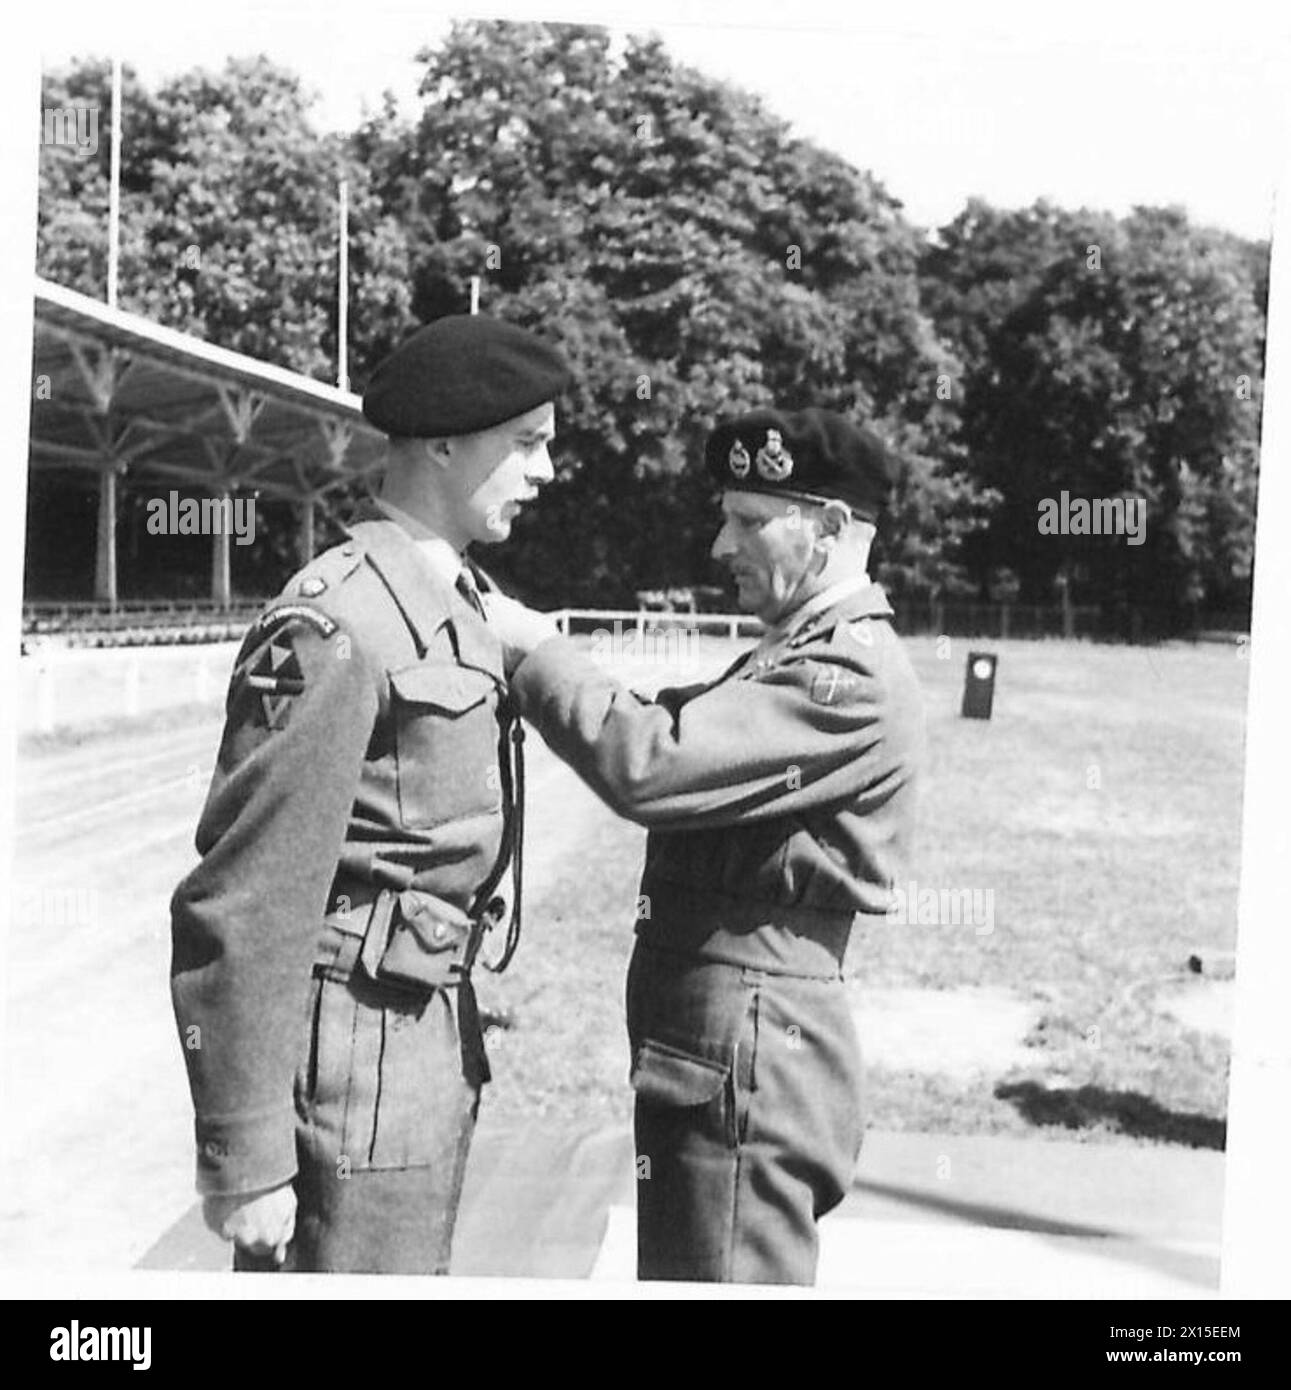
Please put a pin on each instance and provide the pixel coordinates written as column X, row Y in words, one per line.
column 779, row 801
column 358, row 823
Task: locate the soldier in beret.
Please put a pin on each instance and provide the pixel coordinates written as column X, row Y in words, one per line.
column 779, row 801
column 358, row 827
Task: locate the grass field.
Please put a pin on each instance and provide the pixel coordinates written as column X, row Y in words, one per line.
column 1100, row 806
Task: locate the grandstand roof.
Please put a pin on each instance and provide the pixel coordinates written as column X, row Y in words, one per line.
column 111, row 385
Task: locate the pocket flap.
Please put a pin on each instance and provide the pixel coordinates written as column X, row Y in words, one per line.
column 437, row 924
column 668, row 1076
column 441, row 685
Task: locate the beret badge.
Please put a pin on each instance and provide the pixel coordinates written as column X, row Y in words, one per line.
column 739, row 460
column 775, row 462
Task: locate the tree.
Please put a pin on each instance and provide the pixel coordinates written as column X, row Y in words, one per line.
column 694, row 259
column 1108, row 358
column 229, row 215
column 229, row 231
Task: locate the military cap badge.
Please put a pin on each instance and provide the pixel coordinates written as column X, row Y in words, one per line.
column 775, row 462
column 739, row 460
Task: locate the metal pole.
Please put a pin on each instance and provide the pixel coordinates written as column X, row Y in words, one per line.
column 343, row 298
column 114, row 188
column 475, row 294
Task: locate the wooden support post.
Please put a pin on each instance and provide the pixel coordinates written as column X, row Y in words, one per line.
column 105, row 553
column 221, row 589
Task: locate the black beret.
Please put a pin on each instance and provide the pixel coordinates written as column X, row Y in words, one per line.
column 461, row 374
column 810, row 454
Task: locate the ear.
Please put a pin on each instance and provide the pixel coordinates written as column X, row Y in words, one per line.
column 439, row 451
column 835, row 518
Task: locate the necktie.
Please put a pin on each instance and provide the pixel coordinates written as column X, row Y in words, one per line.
column 466, row 587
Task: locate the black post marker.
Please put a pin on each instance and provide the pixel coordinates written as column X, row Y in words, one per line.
column 979, row 685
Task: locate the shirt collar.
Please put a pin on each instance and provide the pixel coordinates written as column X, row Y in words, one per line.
column 792, row 623
column 444, row 562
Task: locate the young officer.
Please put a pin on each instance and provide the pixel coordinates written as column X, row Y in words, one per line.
column 779, row 800
column 358, row 823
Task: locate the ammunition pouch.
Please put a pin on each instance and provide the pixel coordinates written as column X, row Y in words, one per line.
column 415, row 940
column 412, row 940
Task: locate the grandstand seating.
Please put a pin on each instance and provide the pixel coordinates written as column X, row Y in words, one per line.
column 135, row 623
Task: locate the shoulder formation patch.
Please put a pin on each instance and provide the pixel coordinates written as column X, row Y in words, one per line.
column 833, row 685
column 861, row 630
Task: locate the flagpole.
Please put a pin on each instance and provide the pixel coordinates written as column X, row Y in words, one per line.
column 343, row 297
column 114, row 188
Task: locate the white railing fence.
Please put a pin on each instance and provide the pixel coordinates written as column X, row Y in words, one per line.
column 572, row 621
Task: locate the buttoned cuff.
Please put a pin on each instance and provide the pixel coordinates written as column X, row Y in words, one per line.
column 248, row 1152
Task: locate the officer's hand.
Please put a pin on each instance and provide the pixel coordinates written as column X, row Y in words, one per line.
column 262, row 1223
column 518, row 628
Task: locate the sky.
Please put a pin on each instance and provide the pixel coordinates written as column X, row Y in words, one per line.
column 1098, row 104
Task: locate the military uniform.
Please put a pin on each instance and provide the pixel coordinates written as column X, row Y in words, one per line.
column 356, row 827
column 779, row 800
column 364, row 809
column 779, row 803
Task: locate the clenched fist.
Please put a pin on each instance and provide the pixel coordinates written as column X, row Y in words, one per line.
column 261, row 1223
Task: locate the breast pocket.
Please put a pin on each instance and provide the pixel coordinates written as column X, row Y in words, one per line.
column 446, row 743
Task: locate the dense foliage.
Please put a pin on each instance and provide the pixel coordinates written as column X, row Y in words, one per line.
column 693, row 257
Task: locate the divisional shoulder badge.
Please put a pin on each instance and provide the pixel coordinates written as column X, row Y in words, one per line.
column 775, row 462
column 739, row 460
column 276, row 675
